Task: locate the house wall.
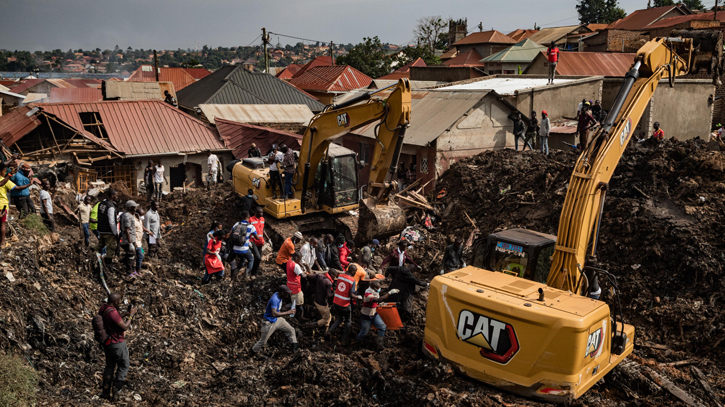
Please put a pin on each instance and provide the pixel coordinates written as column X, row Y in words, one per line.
column 324, row 97
column 512, row 68
column 195, row 167
column 684, row 112
column 483, row 50
column 559, row 100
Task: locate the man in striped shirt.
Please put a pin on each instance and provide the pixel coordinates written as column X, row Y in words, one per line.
column 241, row 250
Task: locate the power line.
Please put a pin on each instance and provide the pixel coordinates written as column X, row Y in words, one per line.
column 297, row 38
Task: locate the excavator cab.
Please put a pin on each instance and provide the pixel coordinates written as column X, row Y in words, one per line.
column 337, row 179
column 518, row 252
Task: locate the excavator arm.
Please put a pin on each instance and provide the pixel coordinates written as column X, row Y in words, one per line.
column 583, row 205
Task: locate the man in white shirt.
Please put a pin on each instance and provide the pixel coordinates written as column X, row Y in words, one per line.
column 213, row 162
column 46, row 205
column 309, row 255
column 159, row 180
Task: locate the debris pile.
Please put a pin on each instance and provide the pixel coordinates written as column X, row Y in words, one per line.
column 189, row 344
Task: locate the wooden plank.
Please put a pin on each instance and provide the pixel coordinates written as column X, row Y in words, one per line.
column 414, row 203
column 418, row 197
column 681, row 363
column 424, row 185
column 410, row 186
column 671, row 387
column 705, row 385
column 470, row 220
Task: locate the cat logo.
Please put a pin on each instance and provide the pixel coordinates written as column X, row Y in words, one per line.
column 256, row 182
column 496, row 340
column 343, row 120
column 595, row 341
column 625, row 132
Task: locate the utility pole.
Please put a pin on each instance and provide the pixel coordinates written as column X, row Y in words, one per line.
column 716, row 10
column 480, row 26
column 265, row 40
column 156, row 66
column 332, row 56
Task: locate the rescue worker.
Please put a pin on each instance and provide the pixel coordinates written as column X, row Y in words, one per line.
column 369, row 314
column 257, row 241
column 272, row 321
column 405, row 282
column 323, row 293
column 345, row 290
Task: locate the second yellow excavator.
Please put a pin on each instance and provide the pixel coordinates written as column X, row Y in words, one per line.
column 526, row 323
column 326, row 178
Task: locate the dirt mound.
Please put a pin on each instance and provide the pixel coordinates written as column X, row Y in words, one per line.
column 189, row 344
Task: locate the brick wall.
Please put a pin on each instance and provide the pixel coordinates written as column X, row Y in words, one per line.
column 625, row 41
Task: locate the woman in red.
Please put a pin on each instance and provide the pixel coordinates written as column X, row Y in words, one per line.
column 212, row 258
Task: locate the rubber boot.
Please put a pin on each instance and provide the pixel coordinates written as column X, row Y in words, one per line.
column 117, row 386
column 379, row 343
column 106, row 388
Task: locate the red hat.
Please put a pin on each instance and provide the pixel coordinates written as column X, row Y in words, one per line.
column 544, row 112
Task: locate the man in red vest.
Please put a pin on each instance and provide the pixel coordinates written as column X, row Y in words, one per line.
column 345, row 290
column 257, row 242
column 552, row 55
column 295, row 273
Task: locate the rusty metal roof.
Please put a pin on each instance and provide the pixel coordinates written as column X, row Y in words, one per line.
column 404, row 71
column 27, row 84
column 178, row 76
column 468, row 58
column 18, row 123
column 142, row 127
column 293, row 114
column 319, row 61
column 519, row 35
column 640, row 19
column 556, row 34
column 240, row 136
column 432, row 113
column 137, row 90
column 486, row 37
column 672, row 21
column 289, row 71
column 337, row 78
column 197, row 73
column 65, row 95
column 592, row 63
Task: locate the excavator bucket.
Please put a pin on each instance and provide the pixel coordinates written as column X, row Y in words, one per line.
column 379, row 221
column 707, row 50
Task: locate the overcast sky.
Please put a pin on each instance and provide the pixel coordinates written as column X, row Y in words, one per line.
column 171, row 24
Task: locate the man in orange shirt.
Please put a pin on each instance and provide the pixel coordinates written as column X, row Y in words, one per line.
column 359, row 274
column 287, row 250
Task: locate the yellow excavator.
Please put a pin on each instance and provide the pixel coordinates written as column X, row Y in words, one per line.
column 326, row 178
column 524, row 320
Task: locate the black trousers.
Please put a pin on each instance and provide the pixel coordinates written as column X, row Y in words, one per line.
column 276, row 179
column 24, row 204
column 257, row 257
column 342, row 314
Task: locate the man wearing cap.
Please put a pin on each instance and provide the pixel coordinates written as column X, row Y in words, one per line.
column 287, row 250
column 254, row 151
column 128, row 236
column 367, row 251
column 586, row 121
column 544, row 131
column 273, row 320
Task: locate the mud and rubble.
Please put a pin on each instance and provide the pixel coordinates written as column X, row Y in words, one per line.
column 189, row 344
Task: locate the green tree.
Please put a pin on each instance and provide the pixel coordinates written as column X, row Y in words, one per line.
column 427, row 31
column 694, row 4
column 599, row 11
column 662, row 3
column 368, row 57
column 410, row 54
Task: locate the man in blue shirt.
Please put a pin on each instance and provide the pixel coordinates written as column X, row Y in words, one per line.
column 21, row 197
column 240, row 249
column 273, row 320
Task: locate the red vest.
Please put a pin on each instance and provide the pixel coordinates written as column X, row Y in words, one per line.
column 258, row 224
column 343, row 289
column 293, row 280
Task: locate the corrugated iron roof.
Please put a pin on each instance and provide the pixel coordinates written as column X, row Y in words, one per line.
column 29, row 83
column 319, row 61
column 237, row 86
column 592, row 63
column 137, row 90
column 504, row 86
column 65, row 95
column 142, row 127
column 178, row 76
column 198, row 73
column 556, row 34
column 34, row 97
column 289, row 72
column 240, row 136
column 523, row 51
column 449, row 54
column 414, row 85
column 672, row 21
column 432, row 113
column 337, row 78
column 468, row 58
column 16, row 124
column 13, row 94
column 640, row 19
column 519, row 35
column 485, row 37
column 293, row 114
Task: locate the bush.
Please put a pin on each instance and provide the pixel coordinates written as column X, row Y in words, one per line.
column 35, row 223
column 17, row 382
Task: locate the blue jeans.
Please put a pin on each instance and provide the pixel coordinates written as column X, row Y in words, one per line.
column 98, row 236
column 288, row 183
column 139, row 258
column 207, row 276
column 544, row 144
column 86, row 233
column 250, row 260
column 365, row 323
